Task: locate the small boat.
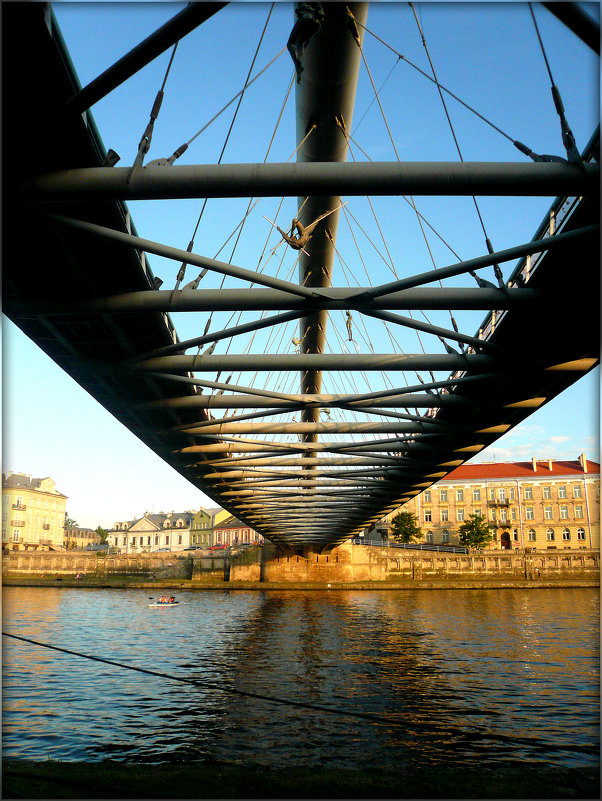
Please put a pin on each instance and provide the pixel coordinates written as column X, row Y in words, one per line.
column 164, row 603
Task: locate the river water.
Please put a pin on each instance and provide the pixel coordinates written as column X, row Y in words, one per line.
column 478, row 677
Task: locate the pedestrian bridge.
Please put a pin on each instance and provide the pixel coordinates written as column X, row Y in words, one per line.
column 307, row 406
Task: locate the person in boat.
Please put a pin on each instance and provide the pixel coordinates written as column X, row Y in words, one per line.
column 171, row 600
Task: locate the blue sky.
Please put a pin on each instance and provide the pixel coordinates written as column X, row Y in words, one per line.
column 485, row 53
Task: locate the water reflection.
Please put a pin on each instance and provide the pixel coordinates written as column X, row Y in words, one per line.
column 479, row 676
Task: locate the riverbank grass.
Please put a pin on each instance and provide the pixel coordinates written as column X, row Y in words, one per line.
column 109, row 779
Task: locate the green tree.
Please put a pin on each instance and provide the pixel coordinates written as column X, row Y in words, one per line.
column 69, row 521
column 404, row 528
column 475, row 532
column 103, row 533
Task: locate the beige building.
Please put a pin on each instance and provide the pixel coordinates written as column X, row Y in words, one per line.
column 169, row 532
column 152, row 532
column 33, row 513
column 541, row 504
column 78, row 539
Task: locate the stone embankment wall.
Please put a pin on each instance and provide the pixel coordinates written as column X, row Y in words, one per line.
column 346, row 564
column 357, row 563
column 140, row 567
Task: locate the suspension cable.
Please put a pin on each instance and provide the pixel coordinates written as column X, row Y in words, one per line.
column 145, row 141
column 519, row 145
column 455, row 138
column 568, row 140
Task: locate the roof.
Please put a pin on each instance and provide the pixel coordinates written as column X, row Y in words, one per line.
column 22, row 481
column 232, row 522
column 546, row 468
column 157, row 519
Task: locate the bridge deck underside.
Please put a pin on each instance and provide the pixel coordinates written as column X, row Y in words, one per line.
column 54, row 274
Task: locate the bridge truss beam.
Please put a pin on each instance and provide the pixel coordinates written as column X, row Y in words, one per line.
column 272, row 454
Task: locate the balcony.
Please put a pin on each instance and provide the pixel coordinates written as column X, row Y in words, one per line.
column 500, row 502
column 46, row 526
column 20, row 506
column 17, row 522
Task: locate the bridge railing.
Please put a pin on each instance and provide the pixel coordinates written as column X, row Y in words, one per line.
column 412, row 546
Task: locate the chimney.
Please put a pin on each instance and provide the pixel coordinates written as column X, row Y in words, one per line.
column 550, row 465
column 583, row 462
column 534, row 460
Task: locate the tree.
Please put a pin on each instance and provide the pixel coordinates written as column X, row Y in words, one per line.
column 69, row 521
column 103, row 533
column 404, row 527
column 475, row 532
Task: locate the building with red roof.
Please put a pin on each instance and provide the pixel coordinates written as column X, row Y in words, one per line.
column 541, row 504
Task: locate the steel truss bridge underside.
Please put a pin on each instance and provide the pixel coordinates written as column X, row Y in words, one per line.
column 76, row 280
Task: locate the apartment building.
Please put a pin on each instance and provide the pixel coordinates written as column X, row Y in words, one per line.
column 541, row 504
column 80, row 539
column 232, row 531
column 201, row 534
column 33, row 513
column 152, row 532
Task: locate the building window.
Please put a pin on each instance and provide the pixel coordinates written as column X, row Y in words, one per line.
column 564, row 512
column 444, row 515
column 460, row 515
column 562, row 492
column 578, row 512
column 547, row 493
column 576, row 491
column 460, row 495
column 133, row 541
column 503, row 515
column 125, row 540
column 493, row 514
column 550, row 535
column 513, row 513
column 427, row 496
column 167, row 540
column 581, row 534
column 547, row 512
column 445, row 536
column 528, row 493
column 531, row 535
column 511, row 493
column 476, row 494
column 492, row 495
column 478, row 512
column 502, row 493
column 429, row 537
column 566, row 534
column 428, row 516
column 156, row 539
column 179, row 539
column 443, row 496
column 529, row 513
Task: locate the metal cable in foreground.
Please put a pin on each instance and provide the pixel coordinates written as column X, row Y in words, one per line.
column 209, row 685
